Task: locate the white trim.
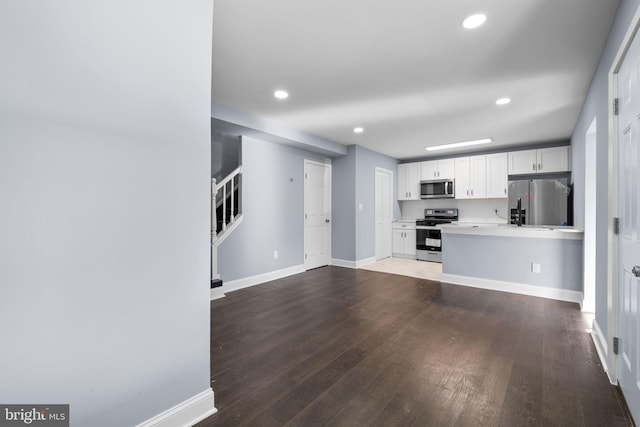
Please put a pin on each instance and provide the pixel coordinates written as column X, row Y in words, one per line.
column 515, row 288
column 352, row 264
column 217, row 293
column 612, row 239
column 246, row 282
column 600, row 342
column 187, row 413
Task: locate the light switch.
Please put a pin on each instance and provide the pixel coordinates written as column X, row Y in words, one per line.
column 535, row 268
column 360, row 206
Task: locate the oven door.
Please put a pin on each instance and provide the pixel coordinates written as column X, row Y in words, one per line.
column 428, row 244
column 428, row 239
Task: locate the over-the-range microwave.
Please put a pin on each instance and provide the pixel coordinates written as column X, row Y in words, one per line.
column 437, row 189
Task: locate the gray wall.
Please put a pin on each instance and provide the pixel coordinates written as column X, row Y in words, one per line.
column 509, row 259
column 596, row 105
column 273, row 209
column 104, row 182
column 343, row 193
column 353, row 185
column 225, row 153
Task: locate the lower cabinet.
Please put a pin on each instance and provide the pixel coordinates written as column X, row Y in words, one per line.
column 404, row 241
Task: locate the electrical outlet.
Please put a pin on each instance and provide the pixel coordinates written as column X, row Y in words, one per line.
column 535, row 268
column 275, row 254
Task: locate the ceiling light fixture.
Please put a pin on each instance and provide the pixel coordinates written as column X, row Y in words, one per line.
column 474, row 21
column 358, row 130
column 281, row 94
column 503, row 101
column 459, row 144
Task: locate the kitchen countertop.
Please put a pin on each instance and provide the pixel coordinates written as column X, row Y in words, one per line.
column 512, row 230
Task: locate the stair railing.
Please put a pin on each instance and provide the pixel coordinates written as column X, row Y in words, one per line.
column 223, row 194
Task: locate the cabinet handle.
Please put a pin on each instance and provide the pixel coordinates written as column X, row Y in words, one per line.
column 472, row 192
column 505, row 191
column 438, row 173
column 534, row 166
column 539, row 166
column 467, row 192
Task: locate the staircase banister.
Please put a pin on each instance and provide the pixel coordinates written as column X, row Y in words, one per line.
column 229, row 177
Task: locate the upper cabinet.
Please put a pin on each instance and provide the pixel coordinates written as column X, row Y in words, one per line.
column 543, row 160
column 497, row 176
column 471, row 177
column 409, row 181
column 438, row 169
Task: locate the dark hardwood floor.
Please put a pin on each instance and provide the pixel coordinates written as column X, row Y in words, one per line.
column 342, row 347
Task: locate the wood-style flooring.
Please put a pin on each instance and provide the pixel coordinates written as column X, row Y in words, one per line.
column 342, row 347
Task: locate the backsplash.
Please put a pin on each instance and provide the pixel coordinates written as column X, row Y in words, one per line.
column 481, row 210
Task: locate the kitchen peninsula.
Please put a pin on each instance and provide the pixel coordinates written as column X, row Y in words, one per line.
column 541, row 261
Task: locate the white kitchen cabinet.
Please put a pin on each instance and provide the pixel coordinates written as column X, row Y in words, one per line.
column 471, row 177
column 409, row 181
column 543, row 160
column 404, row 240
column 438, row 169
column 554, row 159
column 497, row 175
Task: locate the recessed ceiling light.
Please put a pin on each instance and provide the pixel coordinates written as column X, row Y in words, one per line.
column 358, row 130
column 474, row 21
column 459, row 144
column 503, row 101
column 281, row 94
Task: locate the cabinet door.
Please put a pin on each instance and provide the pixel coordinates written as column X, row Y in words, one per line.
column 523, row 162
column 478, row 177
column 410, row 242
column 497, row 178
column 409, row 181
column 413, row 181
column 446, row 169
column 429, row 170
column 462, row 179
column 398, row 241
column 553, row 159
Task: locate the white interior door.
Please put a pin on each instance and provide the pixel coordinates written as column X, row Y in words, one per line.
column 317, row 214
column 384, row 212
column 629, row 239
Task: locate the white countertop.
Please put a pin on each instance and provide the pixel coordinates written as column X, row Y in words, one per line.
column 511, row 230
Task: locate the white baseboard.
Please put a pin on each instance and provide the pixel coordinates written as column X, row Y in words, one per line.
column 234, row 285
column 352, row 264
column 217, row 293
column 187, row 413
column 600, row 342
column 515, row 288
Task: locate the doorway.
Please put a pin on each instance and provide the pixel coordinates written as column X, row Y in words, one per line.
column 317, row 214
column 624, row 243
column 383, row 212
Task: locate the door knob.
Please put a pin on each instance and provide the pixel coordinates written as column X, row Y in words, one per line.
column 636, row 270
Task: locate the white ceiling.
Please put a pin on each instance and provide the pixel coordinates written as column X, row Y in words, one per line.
column 407, row 71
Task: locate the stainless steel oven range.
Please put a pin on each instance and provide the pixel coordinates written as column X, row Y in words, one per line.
column 428, row 235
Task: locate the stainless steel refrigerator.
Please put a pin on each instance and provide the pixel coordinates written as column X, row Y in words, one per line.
column 544, row 201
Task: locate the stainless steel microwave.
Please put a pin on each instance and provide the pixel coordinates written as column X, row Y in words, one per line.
column 437, row 189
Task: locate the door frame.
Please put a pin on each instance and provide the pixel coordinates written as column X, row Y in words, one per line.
column 612, row 238
column 376, row 195
column 328, row 189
